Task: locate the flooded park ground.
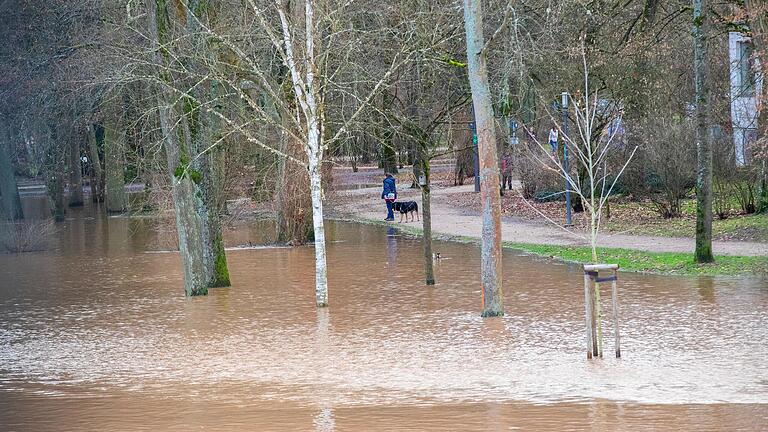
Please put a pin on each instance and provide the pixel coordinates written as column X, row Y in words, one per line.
column 96, row 334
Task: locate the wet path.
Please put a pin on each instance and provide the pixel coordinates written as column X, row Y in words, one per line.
column 97, row 335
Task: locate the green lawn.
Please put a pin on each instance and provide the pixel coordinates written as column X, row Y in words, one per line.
column 651, row 262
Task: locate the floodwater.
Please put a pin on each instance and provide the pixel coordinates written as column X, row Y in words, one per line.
column 96, row 335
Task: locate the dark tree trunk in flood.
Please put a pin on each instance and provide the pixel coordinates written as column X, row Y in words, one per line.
column 75, row 169
column 55, row 186
column 9, row 191
column 114, row 165
column 97, row 185
column 703, row 252
column 54, row 175
column 490, row 196
column 426, row 221
column 203, row 131
column 188, row 225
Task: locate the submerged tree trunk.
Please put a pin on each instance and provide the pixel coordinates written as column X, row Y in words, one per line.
column 307, row 94
column 55, row 186
column 54, row 175
column 75, row 169
column 315, row 179
column 426, row 221
column 114, row 165
column 9, row 191
column 188, row 226
column 202, row 132
column 703, row 252
column 97, row 185
column 490, row 196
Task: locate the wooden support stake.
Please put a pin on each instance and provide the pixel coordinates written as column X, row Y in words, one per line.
column 592, row 315
column 598, row 319
column 588, row 313
column 615, row 299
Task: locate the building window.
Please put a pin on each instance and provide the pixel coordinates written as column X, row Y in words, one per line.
column 746, row 69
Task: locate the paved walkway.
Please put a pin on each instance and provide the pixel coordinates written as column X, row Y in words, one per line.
column 448, row 220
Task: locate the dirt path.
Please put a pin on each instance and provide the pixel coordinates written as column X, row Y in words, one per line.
column 448, row 220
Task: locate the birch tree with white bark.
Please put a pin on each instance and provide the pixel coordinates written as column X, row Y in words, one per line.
column 302, row 44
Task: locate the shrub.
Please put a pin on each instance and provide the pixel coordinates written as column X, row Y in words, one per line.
column 538, row 182
column 28, row 236
column 663, row 170
column 745, row 189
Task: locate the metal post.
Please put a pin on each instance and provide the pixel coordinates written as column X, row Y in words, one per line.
column 565, row 161
column 473, row 128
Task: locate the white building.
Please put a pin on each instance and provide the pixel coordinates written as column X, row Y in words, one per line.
column 746, row 82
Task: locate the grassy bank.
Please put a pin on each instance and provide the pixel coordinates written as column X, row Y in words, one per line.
column 628, row 259
column 651, row 262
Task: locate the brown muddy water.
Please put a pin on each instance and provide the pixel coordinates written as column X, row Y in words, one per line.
column 96, row 335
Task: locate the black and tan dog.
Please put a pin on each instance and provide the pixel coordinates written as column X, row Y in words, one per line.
column 406, row 208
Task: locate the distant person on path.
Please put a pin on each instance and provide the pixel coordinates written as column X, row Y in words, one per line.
column 506, row 172
column 389, row 195
column 553, row 140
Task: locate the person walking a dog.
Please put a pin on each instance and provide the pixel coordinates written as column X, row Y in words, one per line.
column 389, row 195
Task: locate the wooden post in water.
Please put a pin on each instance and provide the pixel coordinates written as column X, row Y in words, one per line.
column 615, row 300
column 588, row 312
column 598, row 317
column 592, row 307
column 593, row 317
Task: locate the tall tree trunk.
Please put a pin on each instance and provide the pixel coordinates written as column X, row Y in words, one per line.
column 703, row 252
column 75, row 169
column 114, row 164
column 757, row 11
column 315, row 179
column 203, row 129
column 188, row 225
column 9, row 191
column 491, row 271
column 314, row 115
column 97, row 185
column 426, row 219
column 54, row 174
column 307, row 94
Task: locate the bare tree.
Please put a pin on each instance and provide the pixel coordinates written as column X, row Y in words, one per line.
column 490, row 195
column 9, row 192
column 188, row 224
column 75, row 167
column 703, row 252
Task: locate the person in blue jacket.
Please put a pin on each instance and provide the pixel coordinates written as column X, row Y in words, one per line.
column 389, row 195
